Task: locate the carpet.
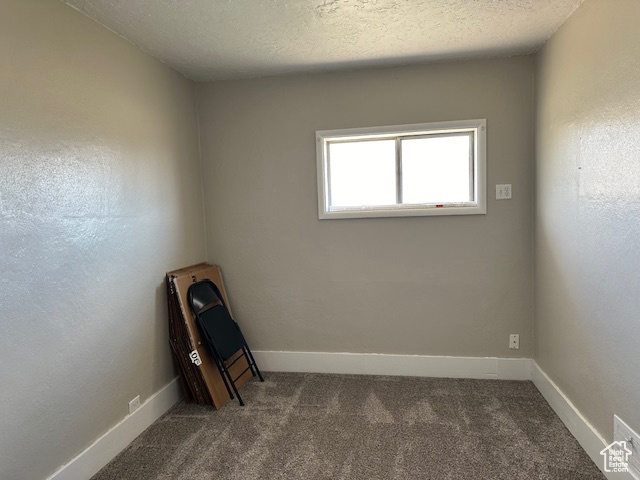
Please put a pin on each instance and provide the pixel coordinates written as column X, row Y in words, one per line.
column 317, row 426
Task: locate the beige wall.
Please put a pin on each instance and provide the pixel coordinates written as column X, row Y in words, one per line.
column 423, row 285
column 99, row 196
column 588, row 211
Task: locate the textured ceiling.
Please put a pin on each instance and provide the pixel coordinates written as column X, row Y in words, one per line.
column 220, row 39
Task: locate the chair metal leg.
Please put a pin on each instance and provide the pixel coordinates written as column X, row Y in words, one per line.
column 233, row 385
column 253, row 362
column 224, row 380
column 249, row 362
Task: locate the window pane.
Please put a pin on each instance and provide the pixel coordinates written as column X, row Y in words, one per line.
column 436, row 169
column 362, row 173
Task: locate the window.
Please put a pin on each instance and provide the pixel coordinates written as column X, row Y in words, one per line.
column 405, row 170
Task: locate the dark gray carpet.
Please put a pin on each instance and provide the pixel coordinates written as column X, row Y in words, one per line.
column 311, row 426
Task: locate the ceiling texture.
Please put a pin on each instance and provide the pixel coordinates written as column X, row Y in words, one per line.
column 224, row 39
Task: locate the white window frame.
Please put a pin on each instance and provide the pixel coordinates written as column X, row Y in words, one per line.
column 476, row 127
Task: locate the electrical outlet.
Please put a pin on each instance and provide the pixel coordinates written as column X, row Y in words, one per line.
column 623, row 433
column 503, row 191
column 514, row 341
column 134, row 404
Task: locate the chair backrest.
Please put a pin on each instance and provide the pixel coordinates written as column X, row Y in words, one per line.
column 218, row 328
column 203, row 294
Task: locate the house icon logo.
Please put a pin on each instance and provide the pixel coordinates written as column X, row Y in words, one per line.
column 616, row 457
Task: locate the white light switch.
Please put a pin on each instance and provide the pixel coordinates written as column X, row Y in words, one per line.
column 503, row 191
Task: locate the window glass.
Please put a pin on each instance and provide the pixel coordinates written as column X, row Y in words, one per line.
column 362, row 173
column 436, row 169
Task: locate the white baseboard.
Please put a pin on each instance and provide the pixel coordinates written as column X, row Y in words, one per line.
column 588, row 437
column 385, row 364
column 107, row 446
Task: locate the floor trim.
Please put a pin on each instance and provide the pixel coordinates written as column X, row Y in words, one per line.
column 387, row 364
column 108, row 445
column 588, row 437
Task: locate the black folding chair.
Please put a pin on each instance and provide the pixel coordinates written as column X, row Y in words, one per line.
column 221, row 333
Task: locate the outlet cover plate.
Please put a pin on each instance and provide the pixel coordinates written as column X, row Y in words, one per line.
column 134, row 404
column 503, row 191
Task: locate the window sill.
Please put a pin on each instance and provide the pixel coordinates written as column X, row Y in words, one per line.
column 418, row 211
